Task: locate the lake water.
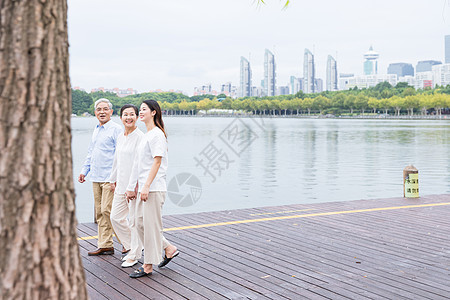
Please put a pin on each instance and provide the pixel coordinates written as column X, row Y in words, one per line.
column 235, row 163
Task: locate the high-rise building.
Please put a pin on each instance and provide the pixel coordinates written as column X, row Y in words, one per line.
column 308, row 72
column 426, row 65
column 226, row 88
column 257, row 91
column 283, row 90
column 332, row 79
column 302, row 84
column 294, row 85
column 269, row 74
column 371, row 62
column 245, row 78
column 318, row 85
column 401, row 69
column 447, row 49
column 205, row 89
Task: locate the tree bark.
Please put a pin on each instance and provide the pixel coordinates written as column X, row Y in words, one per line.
column 40, row 257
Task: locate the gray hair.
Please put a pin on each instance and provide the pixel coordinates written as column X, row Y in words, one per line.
column 104, row 100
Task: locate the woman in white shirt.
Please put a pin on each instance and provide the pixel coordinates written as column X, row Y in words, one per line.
column 149, row 172
column 125, row 229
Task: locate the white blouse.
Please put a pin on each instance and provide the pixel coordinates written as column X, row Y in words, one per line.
column 154, row 143
column 124, row 158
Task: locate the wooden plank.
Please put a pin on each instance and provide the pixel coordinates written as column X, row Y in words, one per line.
column 402, row 253
column 228, row 251
column 178, row 283
column 103, row 287
column 94, row 294
column 248, row 277
column 260, row 262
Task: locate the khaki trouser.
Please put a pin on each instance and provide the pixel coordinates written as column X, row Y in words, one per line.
column 124, row 228
column 150, row 228
column 103, row 198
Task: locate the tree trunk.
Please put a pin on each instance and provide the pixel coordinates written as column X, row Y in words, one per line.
column 40, row 257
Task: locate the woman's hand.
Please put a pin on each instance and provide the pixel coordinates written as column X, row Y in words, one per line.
column 112, row 186
column 130, row 195
column 144, row 193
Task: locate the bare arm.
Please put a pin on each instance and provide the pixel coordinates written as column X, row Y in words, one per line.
column 151, row 176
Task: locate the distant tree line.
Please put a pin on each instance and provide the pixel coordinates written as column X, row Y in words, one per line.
column 383, row 98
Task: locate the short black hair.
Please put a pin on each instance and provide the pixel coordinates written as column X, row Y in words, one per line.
column 136, row 110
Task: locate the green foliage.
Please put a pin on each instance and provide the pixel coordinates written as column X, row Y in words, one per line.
column 81, row 102
column 401, row 99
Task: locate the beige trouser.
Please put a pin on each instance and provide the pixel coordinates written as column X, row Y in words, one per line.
column 150, row 228
column 103, row 198
column 124, row 228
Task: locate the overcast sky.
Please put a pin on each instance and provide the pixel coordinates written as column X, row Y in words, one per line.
column 180, row 44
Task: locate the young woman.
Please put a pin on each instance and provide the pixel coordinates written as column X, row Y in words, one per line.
column 121, row 209
column 149, row 172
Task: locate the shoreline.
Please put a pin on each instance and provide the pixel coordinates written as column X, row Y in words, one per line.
column 359, row 117
column 444, row 117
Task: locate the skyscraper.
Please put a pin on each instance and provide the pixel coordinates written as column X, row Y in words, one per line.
column 371, row 62
column 245, row 78
column 318, row 85
column 426, row 65
column 447, row 49
column 269, row 74
column 294, row 85
column 332, row 79
column 401, row 69
column 308, row 72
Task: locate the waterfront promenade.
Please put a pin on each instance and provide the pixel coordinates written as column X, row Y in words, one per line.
column 393, row 248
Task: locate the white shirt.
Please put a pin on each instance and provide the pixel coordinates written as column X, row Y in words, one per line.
column 153, row 143
column 124, row 159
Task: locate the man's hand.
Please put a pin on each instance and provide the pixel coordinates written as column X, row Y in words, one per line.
column 112, row 186
column 81, row 178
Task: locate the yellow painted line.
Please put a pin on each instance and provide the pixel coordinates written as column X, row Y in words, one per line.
column 293, row 217
column 282, row 212
column 303, row 216
column 84, row 238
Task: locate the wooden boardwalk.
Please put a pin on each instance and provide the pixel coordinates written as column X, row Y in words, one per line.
column 368, row 249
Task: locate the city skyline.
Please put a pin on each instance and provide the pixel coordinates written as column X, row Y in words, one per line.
column 116, row 45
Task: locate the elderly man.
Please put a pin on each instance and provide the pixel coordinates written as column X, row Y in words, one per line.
column 98, row 164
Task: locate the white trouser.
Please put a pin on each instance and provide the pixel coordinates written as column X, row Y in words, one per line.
column 150, row 228
column 124, row 228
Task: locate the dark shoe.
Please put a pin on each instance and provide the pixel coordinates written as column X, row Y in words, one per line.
column 139, row 273
column 168, row 259
column 101, row 251
column 125, row 251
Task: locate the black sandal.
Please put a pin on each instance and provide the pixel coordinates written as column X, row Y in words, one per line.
column 168, row 259
column 139, row 273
